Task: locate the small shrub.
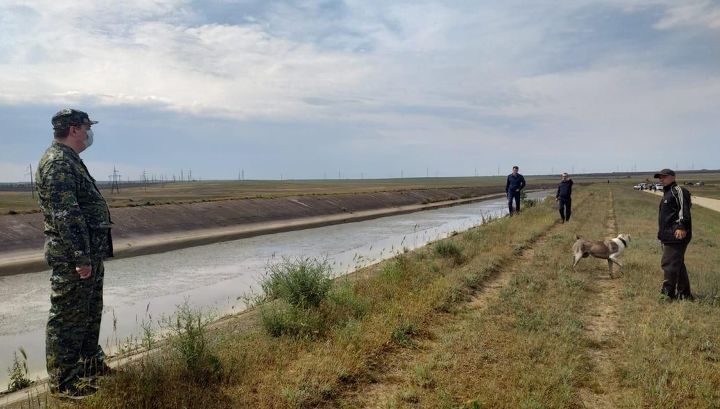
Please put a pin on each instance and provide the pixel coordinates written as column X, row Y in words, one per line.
column 300, row 282
column 343, row 304
column 423, row 375
column 18, row 372
column 448, row 249
column 281, row 318
column 403, row 333
column 396, row 268
column 189, row 340
column 455, row 295
column 528, row 203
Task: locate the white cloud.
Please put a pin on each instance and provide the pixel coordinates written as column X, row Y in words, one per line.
column 212, row 68
column 696, row 13
column 423, row 75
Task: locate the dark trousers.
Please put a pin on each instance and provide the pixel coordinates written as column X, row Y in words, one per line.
column 512, row 195
column 676, row 283
column 565, row 207
column 73, row 329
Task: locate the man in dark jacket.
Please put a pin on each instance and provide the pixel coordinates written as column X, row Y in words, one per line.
column 675, row 233
column 515, row 183
column 563, row 196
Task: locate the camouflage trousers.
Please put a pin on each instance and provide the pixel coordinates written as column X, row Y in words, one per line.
column 71, row 345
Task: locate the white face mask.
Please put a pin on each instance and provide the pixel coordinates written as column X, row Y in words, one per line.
column 89, row 140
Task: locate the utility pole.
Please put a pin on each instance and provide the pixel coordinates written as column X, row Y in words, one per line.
column 32, row 183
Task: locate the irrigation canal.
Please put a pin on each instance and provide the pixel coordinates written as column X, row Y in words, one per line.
column 146, row 288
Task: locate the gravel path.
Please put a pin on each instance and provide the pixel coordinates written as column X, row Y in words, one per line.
column 712, row 204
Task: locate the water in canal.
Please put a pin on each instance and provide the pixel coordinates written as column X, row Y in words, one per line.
column 215, row 275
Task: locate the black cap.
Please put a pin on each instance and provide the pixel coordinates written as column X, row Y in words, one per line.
column 70, row 117
column 665, row 172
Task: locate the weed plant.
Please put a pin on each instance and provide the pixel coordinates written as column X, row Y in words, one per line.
column 189, row 340
column 19, row 372
column 301, row 282
column 449, row 249
column 302, row 302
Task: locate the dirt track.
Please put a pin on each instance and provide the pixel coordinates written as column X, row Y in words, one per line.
column 712, row 204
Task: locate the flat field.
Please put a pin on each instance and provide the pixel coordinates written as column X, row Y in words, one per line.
column 190, row 192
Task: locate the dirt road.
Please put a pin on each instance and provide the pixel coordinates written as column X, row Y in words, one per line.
column 712, row 204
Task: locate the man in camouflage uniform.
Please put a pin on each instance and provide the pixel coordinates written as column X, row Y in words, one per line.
column 77, row 232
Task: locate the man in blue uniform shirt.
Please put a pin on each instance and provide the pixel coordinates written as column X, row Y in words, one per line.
column 513, row 187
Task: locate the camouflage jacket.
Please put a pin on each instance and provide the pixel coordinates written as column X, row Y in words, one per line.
column 77, row 218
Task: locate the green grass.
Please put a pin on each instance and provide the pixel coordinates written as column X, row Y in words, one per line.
column 403, row 333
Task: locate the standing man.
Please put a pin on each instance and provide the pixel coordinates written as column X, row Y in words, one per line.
column 515, row 183
column 77, row 239
column 674, row 232
column 563, row 196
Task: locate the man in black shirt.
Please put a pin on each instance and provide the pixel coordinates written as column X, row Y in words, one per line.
column 675, row 233
column 563, row 196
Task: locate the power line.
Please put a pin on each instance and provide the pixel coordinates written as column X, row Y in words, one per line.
column 115, row 178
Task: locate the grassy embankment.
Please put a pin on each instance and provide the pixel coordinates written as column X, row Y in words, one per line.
column 493, row 317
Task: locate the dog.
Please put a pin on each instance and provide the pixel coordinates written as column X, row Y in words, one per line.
column 608, row 250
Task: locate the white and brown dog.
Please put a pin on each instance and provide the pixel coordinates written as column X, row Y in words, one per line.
column 608, row 250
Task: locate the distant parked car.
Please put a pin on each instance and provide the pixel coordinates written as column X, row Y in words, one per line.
column 658, row 186
column 640, row 186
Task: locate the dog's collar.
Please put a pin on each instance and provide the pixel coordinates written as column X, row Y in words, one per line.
column 624, row 242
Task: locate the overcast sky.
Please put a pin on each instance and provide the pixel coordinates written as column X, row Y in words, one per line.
column 313, row 89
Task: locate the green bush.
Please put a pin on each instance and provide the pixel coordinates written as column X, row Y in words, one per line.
column 448, row 249
column 189, row 340
column 403, row 333
column 280, row 318
column 343, row 304
column 396, row 269
column 304, row 302
column 301, row 282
